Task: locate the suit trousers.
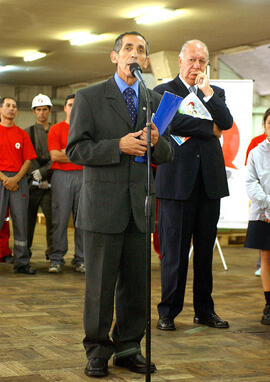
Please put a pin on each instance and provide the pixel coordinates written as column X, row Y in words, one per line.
column 179, row 220
column 115, row 265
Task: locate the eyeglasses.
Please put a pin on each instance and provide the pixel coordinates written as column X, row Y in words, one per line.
column 202, row 62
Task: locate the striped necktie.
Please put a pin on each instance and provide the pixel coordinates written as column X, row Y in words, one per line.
column 192, row 89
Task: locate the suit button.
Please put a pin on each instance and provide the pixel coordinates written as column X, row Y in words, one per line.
column 198, row 155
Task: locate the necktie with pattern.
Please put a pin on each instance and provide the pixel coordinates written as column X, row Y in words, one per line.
column 129, row 93
column 192, row 89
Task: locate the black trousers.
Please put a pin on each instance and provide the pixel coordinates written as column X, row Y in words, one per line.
column 115, row 265
column 40, row 197
column 178, row 221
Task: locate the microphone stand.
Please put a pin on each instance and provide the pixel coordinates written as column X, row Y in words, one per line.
column 148, row 208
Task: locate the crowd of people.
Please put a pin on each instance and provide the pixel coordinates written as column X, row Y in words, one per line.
column 103, row 132
column 35, row 173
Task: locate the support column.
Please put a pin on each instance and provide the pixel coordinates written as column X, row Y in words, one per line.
column 213, row 67
column 164, row 65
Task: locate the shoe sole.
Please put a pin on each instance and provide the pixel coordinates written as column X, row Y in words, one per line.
column 265, row 322
column 136, row 370
column 199, row 322
column 143, row 371
column 54, row 271
column 166, row 329
column 79, row 271
column 95, row 373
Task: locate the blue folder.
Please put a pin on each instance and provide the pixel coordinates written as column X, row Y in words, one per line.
column 166, row 110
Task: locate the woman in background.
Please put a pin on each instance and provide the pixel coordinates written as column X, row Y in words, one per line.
column 258, row 189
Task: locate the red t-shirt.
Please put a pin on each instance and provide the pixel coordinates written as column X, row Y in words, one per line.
column 15, row 148
column 57, row 140
column 253, row 143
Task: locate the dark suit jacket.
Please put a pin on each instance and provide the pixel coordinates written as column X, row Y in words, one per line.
column 113, row 183
column 176, row 180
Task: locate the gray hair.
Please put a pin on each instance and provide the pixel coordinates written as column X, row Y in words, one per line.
column 118, row 41
column 189, row 42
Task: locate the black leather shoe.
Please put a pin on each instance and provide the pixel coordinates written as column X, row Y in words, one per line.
column 25, row 269
column 9, row 259
column 266, row 315
column 135, row 363
column 212, row 320
column 96, row 367
column 165, row 323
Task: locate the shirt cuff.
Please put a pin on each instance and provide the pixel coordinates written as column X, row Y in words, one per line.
column 206, row 99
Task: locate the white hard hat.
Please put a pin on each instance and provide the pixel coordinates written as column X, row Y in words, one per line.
column 41, row 100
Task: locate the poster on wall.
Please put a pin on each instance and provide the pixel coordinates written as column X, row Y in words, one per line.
column 234, row 208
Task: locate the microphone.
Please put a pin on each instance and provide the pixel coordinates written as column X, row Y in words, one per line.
column 136, row 71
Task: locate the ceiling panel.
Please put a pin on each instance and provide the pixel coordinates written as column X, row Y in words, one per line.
column 32, row 25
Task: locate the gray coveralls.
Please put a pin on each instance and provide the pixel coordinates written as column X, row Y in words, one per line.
column 66, row 186
column 18, row 203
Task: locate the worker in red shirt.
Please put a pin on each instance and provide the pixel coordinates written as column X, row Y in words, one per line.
column 16, row 152
column 66, row 185
column 5, row 251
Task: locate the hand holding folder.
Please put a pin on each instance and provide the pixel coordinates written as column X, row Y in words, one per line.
column 166, row 110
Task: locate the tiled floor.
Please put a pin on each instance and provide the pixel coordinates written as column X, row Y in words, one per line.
column 41, row 326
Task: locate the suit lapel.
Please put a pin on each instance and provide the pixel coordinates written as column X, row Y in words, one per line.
column 117, row 102
column 200, row 95
column 141, row 115
column 179, row 87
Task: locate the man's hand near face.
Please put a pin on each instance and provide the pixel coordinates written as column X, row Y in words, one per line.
column 202, row 81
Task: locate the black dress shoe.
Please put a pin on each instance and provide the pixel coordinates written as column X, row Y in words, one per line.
column 25, row 269
column 135, row 363
column 96, row 367
column 165, row 323
column 266, row 315
column 9, row 259
column 212, row 320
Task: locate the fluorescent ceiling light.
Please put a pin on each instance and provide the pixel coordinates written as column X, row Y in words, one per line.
column 157, row 14
column 33, row 56
column 5, row 68
column 82, row 38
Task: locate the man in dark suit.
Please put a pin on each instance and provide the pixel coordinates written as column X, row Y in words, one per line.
column 105, row 138
column 189, row 191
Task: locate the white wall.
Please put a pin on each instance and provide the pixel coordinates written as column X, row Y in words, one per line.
column 260, row 103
